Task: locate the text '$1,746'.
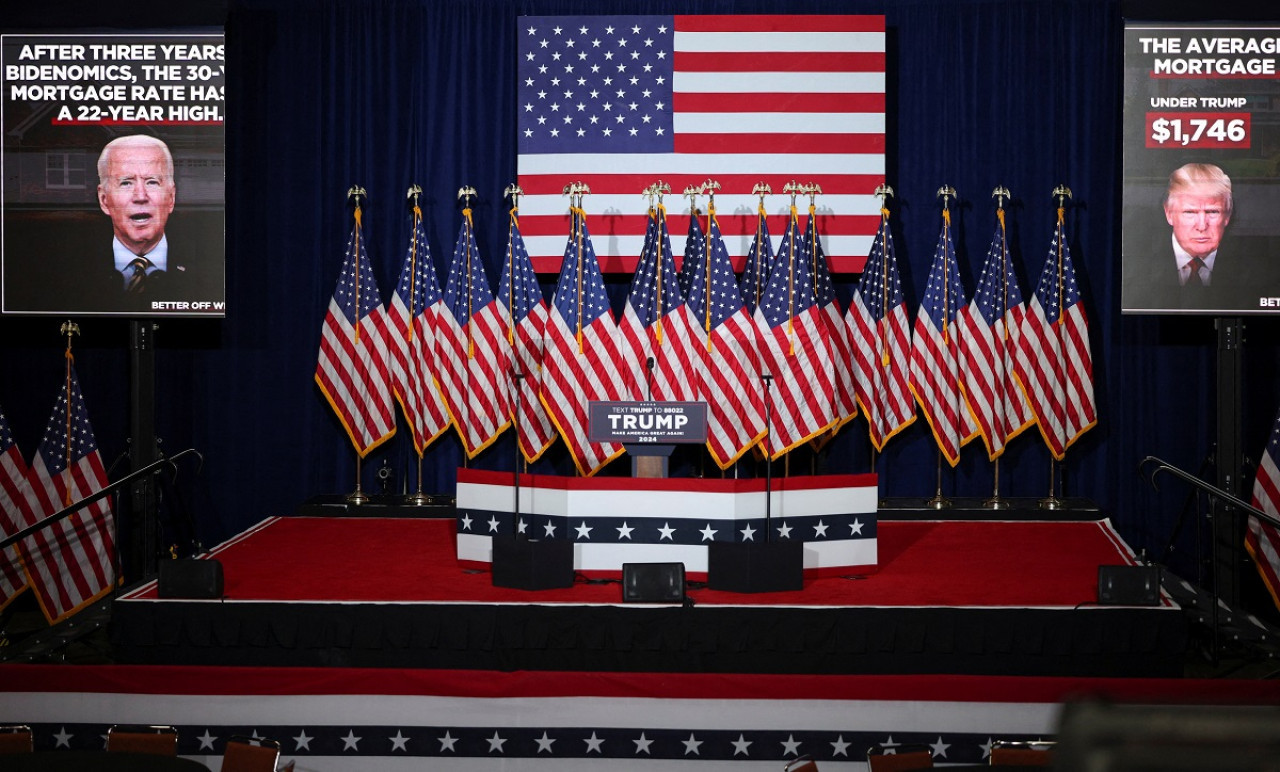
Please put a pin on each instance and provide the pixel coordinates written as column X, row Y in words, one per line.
column 1201, row 132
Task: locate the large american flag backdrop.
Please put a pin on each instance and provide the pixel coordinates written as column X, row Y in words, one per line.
column 619, row 102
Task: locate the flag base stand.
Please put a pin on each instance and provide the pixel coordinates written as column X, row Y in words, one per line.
column 776, row 566
column 357, row 497
column 995, row 502
column 419, row 499
column 524, row 564
column 938, row 502
column 1051, row 502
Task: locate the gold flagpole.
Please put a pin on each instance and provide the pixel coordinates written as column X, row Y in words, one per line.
column 1062, row 192
column 357, row 497
column 946, row 192
column 1000, row 194
column 418, row 498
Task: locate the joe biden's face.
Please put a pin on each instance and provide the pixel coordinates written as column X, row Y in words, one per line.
column 137, row 194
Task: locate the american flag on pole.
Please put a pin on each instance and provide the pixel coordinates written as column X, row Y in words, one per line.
column 656, row 324
column 1263, row 539
column 755, row 273
column 13, row 497
column 729, row 369
column 990, row 328
column 795, row 351
column 1054, row 366
column 415, row 358
column 877, row 319
column 524, row 318
column 70, row 563
column 935, row 351
column 580, row 360
column 619, row 101
column 841, row 340
column 695, row 251
column 353, row 368
column 474, row 357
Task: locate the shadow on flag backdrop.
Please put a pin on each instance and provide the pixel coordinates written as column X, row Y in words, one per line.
column 580, row 358
column 13, row 482
column 352, row 369
column 71, row 563
column 620, row 101
column 1263, row 539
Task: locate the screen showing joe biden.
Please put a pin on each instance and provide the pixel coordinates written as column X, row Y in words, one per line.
column 113, row 191
column 1201, row 191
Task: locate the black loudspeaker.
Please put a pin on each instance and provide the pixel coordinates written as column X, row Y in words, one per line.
column 1129, row 585
column 748, row 567
column 199, row 579
column 524, row 564
column 653, row 582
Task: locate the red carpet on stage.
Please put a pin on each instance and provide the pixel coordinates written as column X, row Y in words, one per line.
column 1013, row 597
column 402, row 560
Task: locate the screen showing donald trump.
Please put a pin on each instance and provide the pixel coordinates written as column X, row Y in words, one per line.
column 1201, row 169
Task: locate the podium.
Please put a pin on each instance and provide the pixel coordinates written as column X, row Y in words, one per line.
column 649, row 430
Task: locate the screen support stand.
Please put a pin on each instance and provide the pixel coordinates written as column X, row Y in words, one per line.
column 1228, row 524
column 140, row 559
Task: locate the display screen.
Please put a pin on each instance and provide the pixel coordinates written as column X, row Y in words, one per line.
column 1201, row 169
column 113, row 191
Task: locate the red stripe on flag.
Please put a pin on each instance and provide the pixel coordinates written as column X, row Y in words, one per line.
column 790, row 102
column 779, row 143
column 790, row 61
column 780, row 23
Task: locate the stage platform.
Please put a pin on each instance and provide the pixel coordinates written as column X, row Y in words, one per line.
column 1006, row 595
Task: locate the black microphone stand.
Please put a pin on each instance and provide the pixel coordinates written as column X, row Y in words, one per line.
column 768, row 462
column 648, row 379
column 517, row 378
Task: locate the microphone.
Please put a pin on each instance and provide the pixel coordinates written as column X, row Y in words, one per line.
column 648, row 377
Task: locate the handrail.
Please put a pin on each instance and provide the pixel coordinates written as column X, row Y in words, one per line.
column 1212, row 490
column 98, row 494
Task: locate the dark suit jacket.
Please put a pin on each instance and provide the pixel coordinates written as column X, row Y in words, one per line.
column 1244, row 272
column 67, row 266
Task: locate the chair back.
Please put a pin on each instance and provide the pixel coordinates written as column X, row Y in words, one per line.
column 801, row 764
column 901, row 758
column 157, row 740
column 1006, row 753
column 245, row 754
column 16, row 739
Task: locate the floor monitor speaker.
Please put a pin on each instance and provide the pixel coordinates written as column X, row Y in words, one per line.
column 1129, row 585
column 525, row 564
column 187, row 578
column 749, row 567
column 653, row 582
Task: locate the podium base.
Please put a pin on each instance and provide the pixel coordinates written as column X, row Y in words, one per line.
column 522, row 564
column 746, row 567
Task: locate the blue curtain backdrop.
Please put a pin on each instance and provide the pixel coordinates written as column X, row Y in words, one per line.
column 388, row 93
